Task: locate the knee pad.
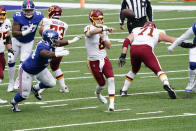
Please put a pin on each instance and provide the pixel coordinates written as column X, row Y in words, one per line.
column 131, row 75
column 192, row 65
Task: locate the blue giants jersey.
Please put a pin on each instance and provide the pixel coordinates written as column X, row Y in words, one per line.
column 194, row 30
column 34, row 64
column 25, row 23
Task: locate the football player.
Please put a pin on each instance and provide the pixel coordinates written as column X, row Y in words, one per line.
column 192, row 55
column 96, row 42
column 35, row 65
column 143, row 40
column 24, row 27
column 53, row 22
column 5, row 41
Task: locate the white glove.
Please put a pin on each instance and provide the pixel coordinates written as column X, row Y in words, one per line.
column 62, row 53
column 10, row 57
column 75, row 39
column 29, row 30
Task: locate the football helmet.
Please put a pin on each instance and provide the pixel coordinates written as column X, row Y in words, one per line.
column 149, row 24
column 96, row 14
column 50, row 36
column 54, row 12
column 28, row 8
column 2, row 14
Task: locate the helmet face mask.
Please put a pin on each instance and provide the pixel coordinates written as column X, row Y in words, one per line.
column 2, row 14
column 96, row 17
column 28, row 8
column 50, row 37
column 54, row 12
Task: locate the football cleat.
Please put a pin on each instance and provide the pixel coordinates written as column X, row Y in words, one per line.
column 101, row 98
column 123, row 93
column 36, row 94
column 14, row 106
column 111, row 107
column 10, row 87
column 189, row 86
column 3, row 101
column 64, row 90
column 170, row 91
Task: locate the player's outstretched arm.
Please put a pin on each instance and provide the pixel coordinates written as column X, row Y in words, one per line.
column 68, row 42
column 49, row 54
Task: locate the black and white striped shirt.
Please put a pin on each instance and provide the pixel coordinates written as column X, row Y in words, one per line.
column 141, row 8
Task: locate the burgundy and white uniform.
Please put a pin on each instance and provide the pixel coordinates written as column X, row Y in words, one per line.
column 4, row 29
column 98, row 62
column 145, row 39
column 60, row 27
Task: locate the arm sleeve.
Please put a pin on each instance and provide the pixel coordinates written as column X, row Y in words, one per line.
column 189, row 33
column 122, row 18
column 149, row 10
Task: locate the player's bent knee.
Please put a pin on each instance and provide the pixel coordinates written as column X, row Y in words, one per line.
column 52, row 83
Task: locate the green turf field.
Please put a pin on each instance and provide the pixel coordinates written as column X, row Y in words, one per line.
column 147, row 108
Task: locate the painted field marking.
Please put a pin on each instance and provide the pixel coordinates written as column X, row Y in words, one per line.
column 149, row 112
column 119, row 110
column 104, row 122
column 53, row 106
column 87, row 98
column 84, row 108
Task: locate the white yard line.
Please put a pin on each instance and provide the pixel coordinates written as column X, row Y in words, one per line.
column 84, row 108
column 112, row 121
column 119, row 110
column 53, row 105
column 149, row 112
column 88, row 98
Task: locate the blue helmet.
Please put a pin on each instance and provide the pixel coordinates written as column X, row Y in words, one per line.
column 50, row 36
column 28, row 8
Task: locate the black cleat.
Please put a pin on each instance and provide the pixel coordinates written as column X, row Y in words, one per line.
column 170, row 91
column 14, row 106
column 36, row 94
column 123, row 93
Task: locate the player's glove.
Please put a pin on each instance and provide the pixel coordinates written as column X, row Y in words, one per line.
column 75, row 39
column 187, row 45
column 122, row 60
column 10, row 55
column 62, row 53
column 28, row 30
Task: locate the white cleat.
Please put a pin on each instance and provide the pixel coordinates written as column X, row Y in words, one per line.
column 10, row 87
column 3, row 101
column 189, row 87
column 64, row 90
column 111, row 107
column 101, row 98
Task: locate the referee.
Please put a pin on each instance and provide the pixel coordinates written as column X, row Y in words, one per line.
column 141, row 8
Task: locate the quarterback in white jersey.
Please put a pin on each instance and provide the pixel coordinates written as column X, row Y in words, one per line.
column 192, row 55
column 143, row 40
column 5, row 42
column 96, row 40
column 53, row 22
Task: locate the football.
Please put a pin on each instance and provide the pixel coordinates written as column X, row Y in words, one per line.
column 127, row 13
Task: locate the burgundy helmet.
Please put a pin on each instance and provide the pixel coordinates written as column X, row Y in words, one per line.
column 95, row 15
column 54, row 12
column 2, row 14
column 149, row 24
